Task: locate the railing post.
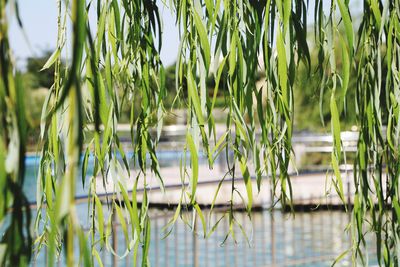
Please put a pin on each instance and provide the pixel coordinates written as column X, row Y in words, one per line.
column 114, row 239
column 273, row 258
column 195, row 245
column 348, row 189
column 46, row 259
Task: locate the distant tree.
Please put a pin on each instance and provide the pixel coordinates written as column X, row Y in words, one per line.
column 40, row 78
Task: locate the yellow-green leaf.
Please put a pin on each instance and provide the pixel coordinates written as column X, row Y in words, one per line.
column 195, row 166
column 54, row 56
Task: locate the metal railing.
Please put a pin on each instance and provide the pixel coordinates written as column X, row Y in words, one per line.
column 274, row 240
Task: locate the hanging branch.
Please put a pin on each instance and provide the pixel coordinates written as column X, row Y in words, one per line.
column 117, row 64
column 15, row 215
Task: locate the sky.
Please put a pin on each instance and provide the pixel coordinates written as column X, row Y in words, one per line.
column 39, row 18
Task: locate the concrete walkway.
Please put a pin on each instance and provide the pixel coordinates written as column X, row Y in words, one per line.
column 308, row 189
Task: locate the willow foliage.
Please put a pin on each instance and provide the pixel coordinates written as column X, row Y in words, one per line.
column 121, row 53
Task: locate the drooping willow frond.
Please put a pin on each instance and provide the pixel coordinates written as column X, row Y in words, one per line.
column 116, row 64
column 15, row 217
column 377, row 165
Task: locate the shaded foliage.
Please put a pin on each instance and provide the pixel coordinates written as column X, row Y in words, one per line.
column 40, row 78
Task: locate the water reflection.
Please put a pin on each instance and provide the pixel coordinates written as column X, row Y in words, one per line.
column 277, row 239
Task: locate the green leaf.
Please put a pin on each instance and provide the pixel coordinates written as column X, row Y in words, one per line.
column 97, row 256
column 146, row 243
column 135, row 218
column 247, row 181
column 201, row 30
column 219, row 143
column 338, row 183
column 344, row 11
column 100, row 218
column 282, row 69
column 396, row 206
column 3, row 174
column 389, row 131
column 194, row 97
column 171, row 222
column 335, row 126
column 132, row 209
column 340, row 257
column 345, row 70
column 232, row 55
column 122, row 223
column 84, row 249
column 85, row 165
column 377, row 13
column 217, row 82
column 108, row 72
column 101, row 23
column 286, row 15
column 194, row 165
column 54, row 56
column 202, row 219
column 49, row 189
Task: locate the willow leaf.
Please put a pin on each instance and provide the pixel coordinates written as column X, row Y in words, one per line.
column 389, row 132
column 85, row 252
column 97, row 256
column 146, row 243
column 247, row 181
column 344, row 11
column 171, row 222
column 345, row 70
column 335, row 126
column 85, row 165
column 232, row 55
column 194, row 97
column 100, row 219
column 201, row 30
column 52, row 59
column 282, row 69
column 194, row 165
column 217, row 82
column 49, row 190
column 135, row 213
column 338, row 183
column 122, row 223
column 377, row 13
column 202, row 219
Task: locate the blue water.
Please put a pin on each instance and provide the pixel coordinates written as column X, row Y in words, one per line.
column 275, row 238
column 166, row 158
column 309, row 239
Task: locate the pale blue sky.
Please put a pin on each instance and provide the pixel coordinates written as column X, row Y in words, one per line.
column 40, row 25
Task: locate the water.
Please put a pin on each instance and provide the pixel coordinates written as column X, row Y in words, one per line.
column 166, row 158
column 308, row 240
column 275, row 238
